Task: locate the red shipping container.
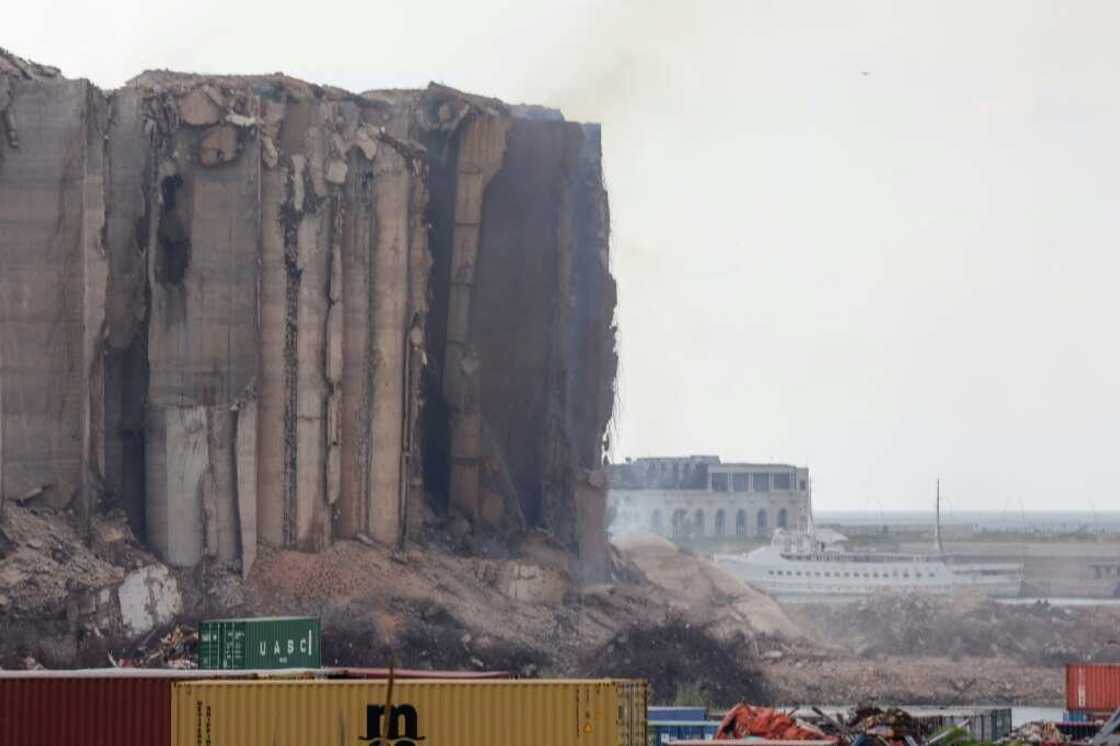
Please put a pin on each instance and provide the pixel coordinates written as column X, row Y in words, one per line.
column 130, row 706
column 1092, row 687
column 92, row 711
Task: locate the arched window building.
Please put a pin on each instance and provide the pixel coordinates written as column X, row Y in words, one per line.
column 697, row 497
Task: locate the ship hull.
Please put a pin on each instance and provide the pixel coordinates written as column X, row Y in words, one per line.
column 843, row 576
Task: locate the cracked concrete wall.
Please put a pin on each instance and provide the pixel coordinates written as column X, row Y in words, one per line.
column 201, row 318
column 530, row 358
column 256, row 310
column 127, row 228
column 52, row 284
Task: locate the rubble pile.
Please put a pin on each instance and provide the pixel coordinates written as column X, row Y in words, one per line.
column 45, row 566
column 968, row 626
column 437, row 607
column 675, row 655
column 705, row 594
column 1037, row 732
column 892, row 724
column 176, row 649
column 918, row 680
column 66, row 599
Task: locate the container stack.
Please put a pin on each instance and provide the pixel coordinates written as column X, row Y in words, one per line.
column 1092, row 691
column 138, row 707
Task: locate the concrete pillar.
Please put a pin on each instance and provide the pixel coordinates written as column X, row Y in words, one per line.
column 481, row 152
column 245, row 443
column 178, row 460
column 390, row 322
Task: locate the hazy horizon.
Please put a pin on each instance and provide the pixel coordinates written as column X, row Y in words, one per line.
column 866, row 237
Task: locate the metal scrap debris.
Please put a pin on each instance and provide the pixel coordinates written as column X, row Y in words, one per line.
column 176, row 649
column 744, row 721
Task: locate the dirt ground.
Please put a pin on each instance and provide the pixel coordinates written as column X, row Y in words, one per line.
column 916, row 680
column 669, row 616
column 704, row 593
column 966, row 626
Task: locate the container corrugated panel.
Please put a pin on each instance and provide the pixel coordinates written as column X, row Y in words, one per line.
column 1092, row 687
column 265, row 643
column 88, row 711
column 407, row 673
column 634, row 704
column 436, row 713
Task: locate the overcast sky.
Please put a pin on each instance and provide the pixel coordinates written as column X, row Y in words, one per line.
column 876, row 239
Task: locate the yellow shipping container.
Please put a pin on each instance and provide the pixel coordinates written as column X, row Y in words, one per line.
column 424, row 713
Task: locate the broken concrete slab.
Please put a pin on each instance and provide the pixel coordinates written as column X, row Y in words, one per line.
column 533, row 584
column 197, row 108
column 219, row 144
column 178, row 449
column 149, row 597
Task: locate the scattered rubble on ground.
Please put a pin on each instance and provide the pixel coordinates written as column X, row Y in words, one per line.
column 1038, row 732
column 669, row 616
column 176, row 649
column 433, row 607
column 47, row 568
column 677, row 655
column 893, row 724
column 967, row 626
column 918, row 680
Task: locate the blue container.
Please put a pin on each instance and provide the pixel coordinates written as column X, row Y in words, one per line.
column 676, row 713
column 1073, row 716
column 664, row 731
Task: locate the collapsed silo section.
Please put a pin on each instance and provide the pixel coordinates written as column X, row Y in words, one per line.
column 52, row 285
column 202, row 318
column 528, row 362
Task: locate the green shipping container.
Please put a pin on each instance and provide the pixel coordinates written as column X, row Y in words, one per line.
column 276, row 642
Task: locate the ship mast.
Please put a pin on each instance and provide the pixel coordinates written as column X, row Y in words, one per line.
column 937, row 517
column 812, row 530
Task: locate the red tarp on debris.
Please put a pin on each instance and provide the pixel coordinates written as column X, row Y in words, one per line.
column 765, row 722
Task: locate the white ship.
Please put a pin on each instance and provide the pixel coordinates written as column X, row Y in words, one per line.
column 809, row 565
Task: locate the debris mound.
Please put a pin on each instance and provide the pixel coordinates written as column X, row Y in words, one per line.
column 678, row 655
column 432, row 639
column 969, row 626
column 704, row 593
column 890, row 725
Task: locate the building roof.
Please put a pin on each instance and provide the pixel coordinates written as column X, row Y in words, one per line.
column 758, row 465
column 829, row 536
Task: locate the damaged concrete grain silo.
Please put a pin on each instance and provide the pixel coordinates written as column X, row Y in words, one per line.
column 252, row 309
